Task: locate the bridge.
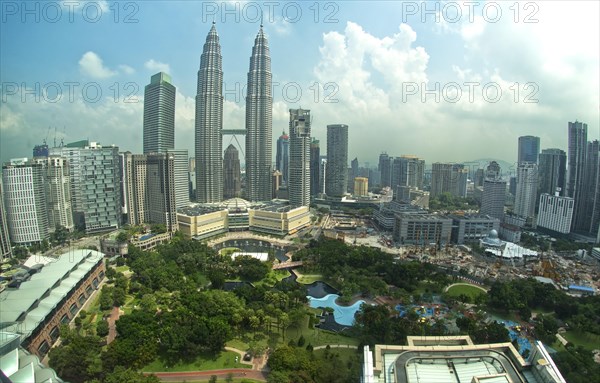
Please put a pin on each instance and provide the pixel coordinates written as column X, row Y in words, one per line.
column 287, row 265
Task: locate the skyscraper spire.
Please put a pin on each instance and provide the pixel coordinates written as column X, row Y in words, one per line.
column 259, row 122
column 209, row 122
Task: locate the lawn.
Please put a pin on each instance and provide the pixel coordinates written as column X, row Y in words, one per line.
column 469, row 290
column 123, row 269
column 307, row 279
column 587, row 340
column 225, row 359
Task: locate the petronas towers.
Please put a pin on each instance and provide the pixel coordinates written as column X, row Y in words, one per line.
column 209, row 122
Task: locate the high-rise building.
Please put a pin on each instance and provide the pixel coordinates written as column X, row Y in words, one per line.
column 493, row 170
column 299, row 166
column 95, row 185
column 529, row 148
column 282, row 156
column 25, row 201
column 57, row 183
column 592, row 188
column 336, row 179
column 555, row 213
column 315, row 164
column 385, row 168
column 160, row 188
column 576, row 171
column 209, row 122
column 448, row 178
column 232, row 183
column 134, row 168
column 527, row 184
column 322, row 174
column 159, row 114
column 5, row 248
column 259, row 122
column 277, row 180
column 361, row 186
column 479, row 177
column 552, row 167
column 182, row 187
column 493, row 198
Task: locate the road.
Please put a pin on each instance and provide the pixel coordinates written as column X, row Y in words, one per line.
column 205, row 375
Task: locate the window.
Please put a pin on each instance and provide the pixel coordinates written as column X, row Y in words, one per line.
column 64, row 319
column 43, row 349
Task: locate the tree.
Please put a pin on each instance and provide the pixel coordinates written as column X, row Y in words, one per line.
column 121, row 374
column 122, row 237
column 213, row 379
column 102, row 328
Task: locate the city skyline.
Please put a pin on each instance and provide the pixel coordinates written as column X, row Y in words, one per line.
column 363, row 56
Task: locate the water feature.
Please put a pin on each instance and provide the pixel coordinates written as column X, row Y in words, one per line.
column 319, row 289
column 343, row 315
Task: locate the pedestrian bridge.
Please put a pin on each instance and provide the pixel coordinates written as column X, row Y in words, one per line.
column 287, row 265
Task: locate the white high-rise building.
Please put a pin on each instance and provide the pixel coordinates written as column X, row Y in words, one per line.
column 299, row 163
column 493, row 198
column 209, row 123
column 182, row 185
column 259, row 122
column 555, row 213
column 527, row 184
column 5, row 248
column 25, row 201
column 58, row 191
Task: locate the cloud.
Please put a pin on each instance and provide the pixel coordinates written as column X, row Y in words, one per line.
column 126, row 69
column 91, row 65
column 157, row 66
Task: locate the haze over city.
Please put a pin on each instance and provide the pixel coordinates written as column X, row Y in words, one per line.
column 370, row 65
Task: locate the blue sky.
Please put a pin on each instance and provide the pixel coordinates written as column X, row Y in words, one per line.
column 379, row 58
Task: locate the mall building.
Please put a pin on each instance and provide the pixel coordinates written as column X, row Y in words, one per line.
column 276, row 217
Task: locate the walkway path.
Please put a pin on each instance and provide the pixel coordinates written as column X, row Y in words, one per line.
column 112, row 326
column 465, row 284
column 205, row 375
column 247, row 235
column 349, row 346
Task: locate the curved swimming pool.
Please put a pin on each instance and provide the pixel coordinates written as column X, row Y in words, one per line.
column 343, row 315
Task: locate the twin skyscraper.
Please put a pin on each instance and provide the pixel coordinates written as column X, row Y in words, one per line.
column 209, row 122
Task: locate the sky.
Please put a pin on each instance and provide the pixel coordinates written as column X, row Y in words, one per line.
column 446, row 81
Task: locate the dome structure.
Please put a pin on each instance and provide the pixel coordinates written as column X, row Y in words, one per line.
column 236, row 204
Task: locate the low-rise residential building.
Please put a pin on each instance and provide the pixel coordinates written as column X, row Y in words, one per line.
column 385, row 217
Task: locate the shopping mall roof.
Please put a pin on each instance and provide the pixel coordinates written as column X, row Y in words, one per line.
column 30, row 303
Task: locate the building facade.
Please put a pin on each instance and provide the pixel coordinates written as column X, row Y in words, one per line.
column 529, row 148
column 527, row 185
column 315, row 166
column 259, row 122
column 552, row 169
column 336, row 179
column 555, row 213
column 180, row 168
column 385, row 169
column 448, row 178
column 159, row 114
column 472, row 228
column 299, row 164
column 282, row 157
column 422, row 229
column 209, row 122
column 232, row 183
column 95, row 173
column 361, row 187
column 5, row 247
column 577, row 149
column 160, row 189
column 25, row 201
column 57, row 182
column 493, row 198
